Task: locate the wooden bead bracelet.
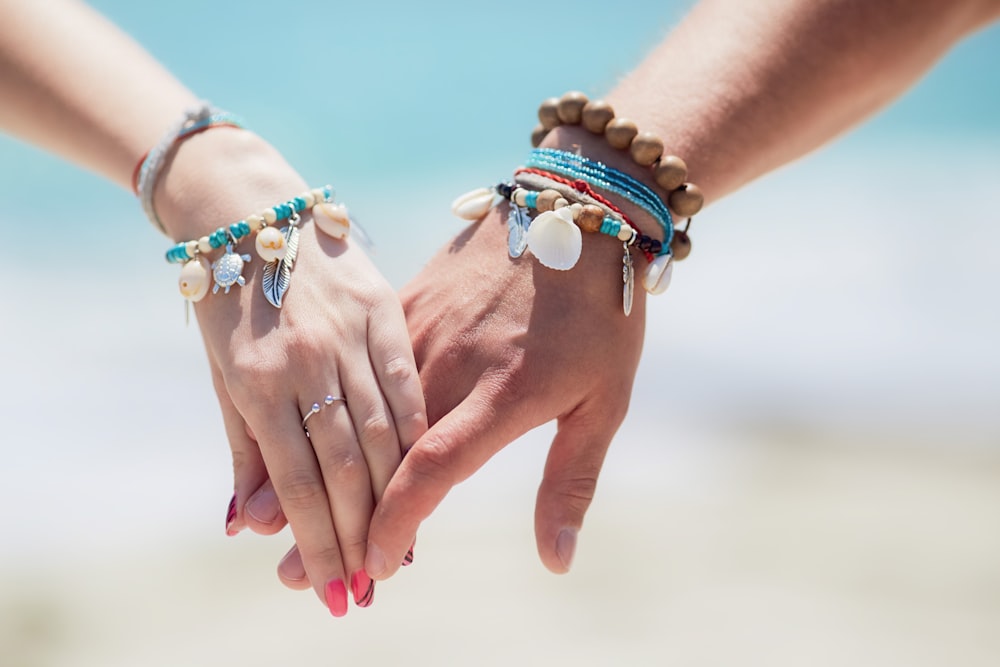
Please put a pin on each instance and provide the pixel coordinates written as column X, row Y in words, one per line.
column 597, row 116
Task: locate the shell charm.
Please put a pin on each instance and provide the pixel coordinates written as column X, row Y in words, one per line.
column 271, row 245
column 228, row 270
column 332, row 219
column 555, row 239
column 658, row 274
column 628, row 277
column 518, row 222
column 194, row 279
column 278, row 274
column 474, row 205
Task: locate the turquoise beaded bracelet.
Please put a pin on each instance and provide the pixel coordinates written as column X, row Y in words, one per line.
column 277, row 247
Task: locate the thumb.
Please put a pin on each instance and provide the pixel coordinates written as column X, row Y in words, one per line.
column 568, row 485
column 454, row 448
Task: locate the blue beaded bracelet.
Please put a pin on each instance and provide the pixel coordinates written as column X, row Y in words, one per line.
column 607, row 178
column 277, row 247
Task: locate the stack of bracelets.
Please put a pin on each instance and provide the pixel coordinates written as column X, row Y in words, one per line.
column 276, row 247
column 563, row 189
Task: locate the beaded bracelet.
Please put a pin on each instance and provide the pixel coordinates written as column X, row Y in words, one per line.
column 277, row 247
column 606, row 178
column 597, row 116
column 554, row 235
column 612, row 221
column 195, row 120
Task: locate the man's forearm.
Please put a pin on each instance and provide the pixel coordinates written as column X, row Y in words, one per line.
column 739, row 89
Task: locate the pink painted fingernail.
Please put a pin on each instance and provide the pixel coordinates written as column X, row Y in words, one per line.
column 363, row 588
column 408, row 558
column 231, row 518
column 336, row 597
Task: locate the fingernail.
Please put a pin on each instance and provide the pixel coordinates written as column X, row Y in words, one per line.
column 408, row 558
column 363, row 589
column 374, row 561
column 566, row 546
column 336, row 597
column 263, row 506
column 296, row 574
column 231, row 517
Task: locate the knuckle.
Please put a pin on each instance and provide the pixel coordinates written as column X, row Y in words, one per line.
column 577, row 491
column 301, row 490
column 377, row 430
column 432, row 460
column 343, row 463
column 321, row 556
column 399, row 371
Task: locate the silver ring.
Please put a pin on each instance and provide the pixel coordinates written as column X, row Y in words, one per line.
column 316, row 407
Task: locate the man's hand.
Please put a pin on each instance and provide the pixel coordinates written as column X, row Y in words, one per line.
column 504, row 346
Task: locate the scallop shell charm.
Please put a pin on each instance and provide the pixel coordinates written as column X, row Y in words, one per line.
column 195, row 279
column 228, row 270
column 555, row 239
column 628, row 277
column 658, row 274
column 518, row 222
column 473, row 205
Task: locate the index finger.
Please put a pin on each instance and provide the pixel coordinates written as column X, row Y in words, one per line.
column 454, row 448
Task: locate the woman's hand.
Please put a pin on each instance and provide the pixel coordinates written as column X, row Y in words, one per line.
column 340, row 332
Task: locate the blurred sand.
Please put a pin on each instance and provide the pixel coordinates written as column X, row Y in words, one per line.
column 795, row 552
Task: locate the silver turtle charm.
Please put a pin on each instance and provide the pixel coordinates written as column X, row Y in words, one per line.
column 228, row 270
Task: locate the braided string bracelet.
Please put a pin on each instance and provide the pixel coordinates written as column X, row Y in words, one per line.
column 197, row 119
column 277, row 247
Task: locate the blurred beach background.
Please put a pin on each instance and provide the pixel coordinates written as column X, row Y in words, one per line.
column 810, row 473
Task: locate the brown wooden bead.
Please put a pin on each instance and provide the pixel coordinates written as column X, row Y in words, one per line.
column 686, row 200
column 680, row 245
column 620, row 132
column 671, row 173
column 646, row 149
column 546, row 200
column 538, row 135
column 596, row 116
column 571, row 107
column 590, row 219
column 548, row 113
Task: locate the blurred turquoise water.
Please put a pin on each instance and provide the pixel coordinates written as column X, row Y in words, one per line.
column 377, row 96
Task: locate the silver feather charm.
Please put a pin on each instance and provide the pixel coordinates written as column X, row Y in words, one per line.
column 628, row 277
column 278, row 274
column 518, row 222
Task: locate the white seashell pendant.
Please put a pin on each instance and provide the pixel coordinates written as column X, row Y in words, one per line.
column 658, row 274
column 473, row 205
column 332, row 219
column 270, row 243
column 195, row 279
column 555, row 239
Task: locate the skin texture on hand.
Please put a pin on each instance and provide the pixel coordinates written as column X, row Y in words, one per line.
column 340, row 332
column 504, row 345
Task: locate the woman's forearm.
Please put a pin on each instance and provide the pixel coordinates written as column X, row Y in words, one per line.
column 74, row 84
column 740, row 88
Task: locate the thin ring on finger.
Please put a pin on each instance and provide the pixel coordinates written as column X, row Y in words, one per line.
column 316, row 407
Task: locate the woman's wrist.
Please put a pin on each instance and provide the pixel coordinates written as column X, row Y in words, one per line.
column 219, row 177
